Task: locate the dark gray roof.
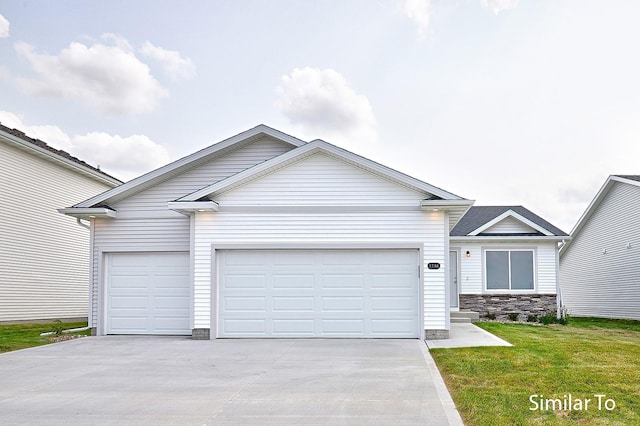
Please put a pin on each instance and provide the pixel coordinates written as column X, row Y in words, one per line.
column 37, row 142
column 630, row 177
column 480, row 215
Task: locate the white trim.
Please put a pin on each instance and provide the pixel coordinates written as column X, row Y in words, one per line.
column 89, row 213
column 509, row 238
column 597, row 200
column 534, row 255
column 150, row 178
column 189, row 207
column 511, row 213
column 309, row 149
column 87, row 171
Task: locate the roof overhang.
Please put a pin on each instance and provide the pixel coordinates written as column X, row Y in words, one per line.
column 59, row 159
column 89, row 212
column 455, row 208
column 511, row 213
column 600, row 196
column 190, row 207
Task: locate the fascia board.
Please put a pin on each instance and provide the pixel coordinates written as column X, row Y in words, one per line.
column 61, row 160
column 192, row 206
column 591, row 208
column 508, row 238
column 158, row 174
column 510, row 213
column 91, row 212
column 310, row 149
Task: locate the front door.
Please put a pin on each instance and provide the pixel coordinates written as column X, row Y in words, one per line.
column 453, row 278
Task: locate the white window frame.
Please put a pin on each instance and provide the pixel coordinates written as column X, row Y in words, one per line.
column 509, row 290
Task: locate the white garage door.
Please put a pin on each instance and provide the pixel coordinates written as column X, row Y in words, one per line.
column 148, row 293
column 319, row 293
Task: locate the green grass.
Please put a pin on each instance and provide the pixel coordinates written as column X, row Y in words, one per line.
column 492, row 385
column 21, row 336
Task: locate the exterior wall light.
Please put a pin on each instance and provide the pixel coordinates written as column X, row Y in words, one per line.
column 468, row 253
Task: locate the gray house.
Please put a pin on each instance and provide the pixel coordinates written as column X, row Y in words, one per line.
column 600, row 266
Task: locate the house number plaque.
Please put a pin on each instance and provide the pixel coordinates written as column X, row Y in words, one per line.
column 433, row 265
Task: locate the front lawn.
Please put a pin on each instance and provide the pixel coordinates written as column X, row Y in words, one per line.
column 21, row 336
column 589, row 357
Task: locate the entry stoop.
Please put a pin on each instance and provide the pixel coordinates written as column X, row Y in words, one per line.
column 464, row 316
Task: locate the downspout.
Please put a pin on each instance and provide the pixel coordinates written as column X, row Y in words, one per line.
column 558, row 289
column 82, row 224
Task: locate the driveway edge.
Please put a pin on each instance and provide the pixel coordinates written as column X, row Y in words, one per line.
column 448, row 405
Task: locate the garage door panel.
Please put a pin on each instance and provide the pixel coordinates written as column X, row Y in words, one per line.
column 148, row 293
column 321, row 293
column 243, row 304
column 293, row 304
column 244, row 281
column 293, row 281
column 342, row 281
column 350, row 304
column 293, row 327
column 254, row 327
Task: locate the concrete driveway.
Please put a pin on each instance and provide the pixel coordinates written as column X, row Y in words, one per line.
column 176, row 380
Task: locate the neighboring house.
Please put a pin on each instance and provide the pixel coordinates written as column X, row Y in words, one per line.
column 600, row 266
column 265, row 235
column 504, row 259
column 44, row 257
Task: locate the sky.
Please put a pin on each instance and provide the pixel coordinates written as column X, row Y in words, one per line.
column 506, row 102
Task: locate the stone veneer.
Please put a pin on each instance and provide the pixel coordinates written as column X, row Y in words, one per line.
column 502, row 304
column 200, row 334
column 436, row 334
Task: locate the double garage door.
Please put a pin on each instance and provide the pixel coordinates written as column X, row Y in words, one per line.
column 272, row 293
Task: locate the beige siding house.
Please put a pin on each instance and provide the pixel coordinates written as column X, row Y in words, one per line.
column 44, row 257
column 600, row 266
column 266, row 235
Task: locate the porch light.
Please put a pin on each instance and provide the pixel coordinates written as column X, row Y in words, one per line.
column 468, row 253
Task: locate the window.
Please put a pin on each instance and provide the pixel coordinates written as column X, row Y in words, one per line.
column 509, row 269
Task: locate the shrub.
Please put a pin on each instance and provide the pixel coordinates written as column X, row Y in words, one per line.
column 532, row 318
column 551, row 318
column 513, row 316
column 490, row 315
column 58, row 327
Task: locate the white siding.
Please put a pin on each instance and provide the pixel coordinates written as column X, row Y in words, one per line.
column 316, row 179
column 600, row 284
column 509, row 225
column 154, row 199
column 321, row 180
column 145, row 224
column 44, row 256
column 472, row 269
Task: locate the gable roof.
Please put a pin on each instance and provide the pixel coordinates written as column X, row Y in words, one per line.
column 163, row 173
column 20, row 140
column 480, row 218
column 597, row 200
column 319, row 146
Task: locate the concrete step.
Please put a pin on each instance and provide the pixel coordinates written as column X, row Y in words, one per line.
column 470, row 315
column 460, row 320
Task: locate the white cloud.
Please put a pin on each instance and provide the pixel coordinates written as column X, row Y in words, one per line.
column 123, row 157
column 4, row 27
column 176, row 66
column 108, row 77
column 322, row 102
column 418, row 11
column 498, row 6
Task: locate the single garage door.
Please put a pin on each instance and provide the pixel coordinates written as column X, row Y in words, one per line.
column 148, row 293
column 319, row 293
